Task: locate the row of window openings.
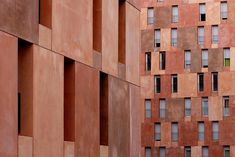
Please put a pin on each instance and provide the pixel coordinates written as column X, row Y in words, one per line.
column 187, row 151
column 187, row 59
column 187, row 107
column 174, row 82
column 202, row 13
column 201, row 32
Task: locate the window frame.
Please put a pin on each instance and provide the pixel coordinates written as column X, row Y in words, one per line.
column 174, row 83
column 214, row 31
column 214, row 83
column 157, row 38
column 200, row 84
column 201, row 134
column 162, row 60
column 157, row 133
column 187, row 62
column 148, row 111
column 157, row 84
column 205, row 105
column 174, row 18
column 150, row 19
column 226, row 108
column 201, row 14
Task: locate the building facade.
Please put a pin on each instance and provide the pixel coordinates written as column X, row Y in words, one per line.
column 187, row 78
column 69, row 78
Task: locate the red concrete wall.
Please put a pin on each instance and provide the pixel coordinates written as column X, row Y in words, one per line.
column 8, row 101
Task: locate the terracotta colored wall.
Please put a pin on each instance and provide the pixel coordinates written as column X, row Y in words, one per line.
column 48, row 103
column 8, row 101
column 86, row 109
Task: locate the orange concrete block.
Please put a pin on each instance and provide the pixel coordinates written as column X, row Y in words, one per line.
column 215, row 108
column 143, row 18
column 187, row 85
column 44, row 37
column 8, row 95
column 25, row 146
column 110, row 37
column 104, row 151
column 166, row 133
column 132, row 44
column 48, row 103
column 73, row 43
column 69, row 149
column 226, row 88
column 196, row 151
column 213, row 13
column 147, row 87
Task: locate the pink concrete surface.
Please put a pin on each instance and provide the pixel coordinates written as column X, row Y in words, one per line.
column 8, row 101
column 69, row 149
column 25, row 146
column 45, row 37
column 48, row 103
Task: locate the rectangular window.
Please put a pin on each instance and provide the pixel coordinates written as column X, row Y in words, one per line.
column 226, row 151
column 201, row 130
column 148, row 61
column 175, row 16
column 174, row 131
column 215, row 34
column 150, row 16
column 204, row 58
column 148, row 108
column 215, row 131
column 174, row 83
column 157, row 132
column 162, row 60
column 187, row 59
column 227, row 57
column 226, row 106
column 202, row 11
column 162, row 108
column 200, row 82
column 205, row 106
column 200, row 35
column 187, row 106
column 157, row 82
column 157, row 37
column 162, row 152
column 224, row 10
column 174, row 37
column 148, row 152
column 205, row 152
column 214, row 79
column 187, row 151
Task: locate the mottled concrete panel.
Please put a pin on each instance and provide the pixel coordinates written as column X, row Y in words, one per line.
column 187, row 85
column 110, row 37
column 69, row 149
column 135, row 127
column 119, row 118
column 186, row 20
column 8, row 93
column 147, row 40
column 73, row 43
column 147, row 134
column 226, row 88
column 25, row 146
column 226, row 132
column 216, row 150
column 213, row 13
column 104, row 151
column 87, row 101
column 207, row 85
column 45, row 37
column 147, row 87
column 20, row 18
column 188, row 133
column 165, row 39
column 135, row 3
column 143, row 18
column 48, row 103
column 215, row 108
column 196, row 60
column 226, row 35
column 196, row 108
column 162, row 17
column 175, row 109
column 154, row 62
column 132, row 44
column 215, row 57
column 165, row 133
column 175, row 151
column 196, row 151
column 174, row 62
column 187, row 38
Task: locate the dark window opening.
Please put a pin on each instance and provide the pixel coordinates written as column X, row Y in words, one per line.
column 104, row 109
column 97, row 25
column 200, row 82
column 214, row 81
column 69, row 99
column 122, row 32
column 174, row 83
column 157, row 82
column 148, row 61
column 162, row 60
